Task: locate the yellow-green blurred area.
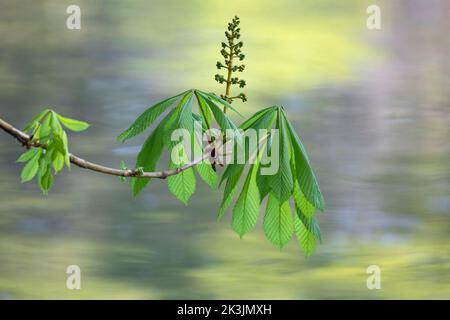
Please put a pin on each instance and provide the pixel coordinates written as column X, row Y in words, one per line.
column 372, row 108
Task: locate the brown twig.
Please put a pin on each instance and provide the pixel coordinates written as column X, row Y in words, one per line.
column 26, row 141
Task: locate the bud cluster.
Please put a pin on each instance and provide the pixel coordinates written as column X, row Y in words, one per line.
column 232, row 49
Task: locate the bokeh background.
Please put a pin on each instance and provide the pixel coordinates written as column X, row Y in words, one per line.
column 372, row 108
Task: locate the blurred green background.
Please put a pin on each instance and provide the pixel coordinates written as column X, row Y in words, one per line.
column 372, row 108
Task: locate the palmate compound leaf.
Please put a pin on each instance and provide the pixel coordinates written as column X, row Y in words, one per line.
column 159, row 140
column 180, row 117
column 278, row 222
column 46, row 128
column 261, row 120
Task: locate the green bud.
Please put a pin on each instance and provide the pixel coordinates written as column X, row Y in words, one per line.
column 243, row 97
column 219, row 78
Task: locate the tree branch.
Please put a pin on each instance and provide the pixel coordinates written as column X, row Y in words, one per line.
column 26, row 141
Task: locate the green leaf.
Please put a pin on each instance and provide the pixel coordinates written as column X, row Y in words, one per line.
column 199, row 119
column 46, row 181
column 250, row 123
column 185, row 119
column 28, row 155
column 231, row 170
column 45, row 129
column 278, row 224
column 305, row 211
column 204, row 169
column 55, row 124
column 208, row 175
column 72, row 124
column 147, row 118
column 263, row 119
column 58, row 144
column 204, row 110
column 282, row 182
column 31, row 168
column 66, row 147
column 181, row 185
column 35, row 120
column 58, row 162
column 232, row 174
column 304, row 173
column 263, row 185
column 152, row 149
column 222, row 120
column 306, row 239
column 246, row 210
column 217, row 99
column 301, row 202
